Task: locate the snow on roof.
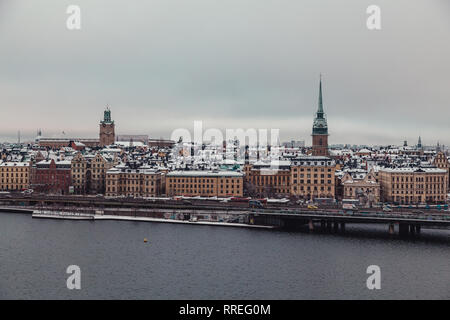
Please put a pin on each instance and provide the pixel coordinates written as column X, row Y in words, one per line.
column 199, row 173
column 414, row 169
column 14, row 164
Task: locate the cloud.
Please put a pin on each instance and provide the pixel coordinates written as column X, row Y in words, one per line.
column 163, row 64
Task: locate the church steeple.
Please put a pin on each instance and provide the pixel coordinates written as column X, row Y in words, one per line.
column 320, row 128
column 320, row 125
column 320, row 108
column 107, row 115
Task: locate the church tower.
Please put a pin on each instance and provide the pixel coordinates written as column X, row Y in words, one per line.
column 320, row 129
column 107, row 135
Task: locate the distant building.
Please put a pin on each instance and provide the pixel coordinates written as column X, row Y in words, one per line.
column 161, row 143
column 294, row 144
column 51, row 176
column 441, row 161
column 361, row 186
column 265, row 180
column 205, row 183
column 106, row 137
column 14, row 176
column 133, row 138
column 89, row 173
column 313, row 177
column 413, row 185
column 123, row 180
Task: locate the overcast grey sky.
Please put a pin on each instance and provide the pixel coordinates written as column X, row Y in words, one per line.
column 161, row 64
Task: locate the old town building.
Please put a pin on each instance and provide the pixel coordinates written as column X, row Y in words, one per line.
column 413, row 185
column 123, row 180
column 14, row 176
column 99, row 165
column 205, row 183
column 80, row 174
column 313, row 177
column 268, row 179
column 441, row 161
column 50, row 176
column 361, row 186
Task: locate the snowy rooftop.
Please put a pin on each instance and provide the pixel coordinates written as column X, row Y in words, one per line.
column 200, row 173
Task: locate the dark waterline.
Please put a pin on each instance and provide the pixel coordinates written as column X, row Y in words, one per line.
column 203, row 262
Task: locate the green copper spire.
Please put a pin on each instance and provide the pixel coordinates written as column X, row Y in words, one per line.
column 107, row 116
column 320, row 109
column 320, row 125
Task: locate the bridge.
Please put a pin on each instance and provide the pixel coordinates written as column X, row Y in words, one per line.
column 407, row 222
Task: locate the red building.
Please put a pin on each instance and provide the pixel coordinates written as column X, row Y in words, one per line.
column 51, row 177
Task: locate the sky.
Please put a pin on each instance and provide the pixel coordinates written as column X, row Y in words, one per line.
column 163, row 64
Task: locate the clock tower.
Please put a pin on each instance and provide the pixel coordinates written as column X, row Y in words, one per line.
column 107, row 135
column 320, row 129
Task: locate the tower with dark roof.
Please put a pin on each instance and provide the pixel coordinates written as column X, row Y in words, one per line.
column 320, row 129
column 107, row 134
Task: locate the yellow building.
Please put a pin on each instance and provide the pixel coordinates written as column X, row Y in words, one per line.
column 413, row 185
column 14, row 176
column 80, row 174
column 125, row 181
column 99, row 166
column 313, row 177
column 362, row 186
column 205, row 183
column 441, row 162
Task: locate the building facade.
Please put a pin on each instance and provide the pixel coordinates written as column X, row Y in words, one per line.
column 313, row 177
column 99, row 165
column 441, row 162
column 50, row 176
column 80, row 174
column 361, row 186
column 123, row 180
column 413, row 185
column 266, row 180
column 14, row 176
column 205, row 183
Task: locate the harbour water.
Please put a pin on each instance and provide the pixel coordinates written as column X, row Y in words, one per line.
column 211, row 262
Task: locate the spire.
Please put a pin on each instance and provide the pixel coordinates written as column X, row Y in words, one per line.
column 320, row 109
column 107, row 115
column 320, row 122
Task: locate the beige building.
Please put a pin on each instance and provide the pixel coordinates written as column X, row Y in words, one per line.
column 441, row 162
column 80, row 174
column 89, row 173
column 362, row 186
column 14, row 176
column 268, row 179
column 313, row 177
column 413, row 185
column 125, row 181
column 205, row 183
column 98, row 168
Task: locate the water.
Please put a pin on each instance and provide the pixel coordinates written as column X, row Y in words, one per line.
column 205, row 262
